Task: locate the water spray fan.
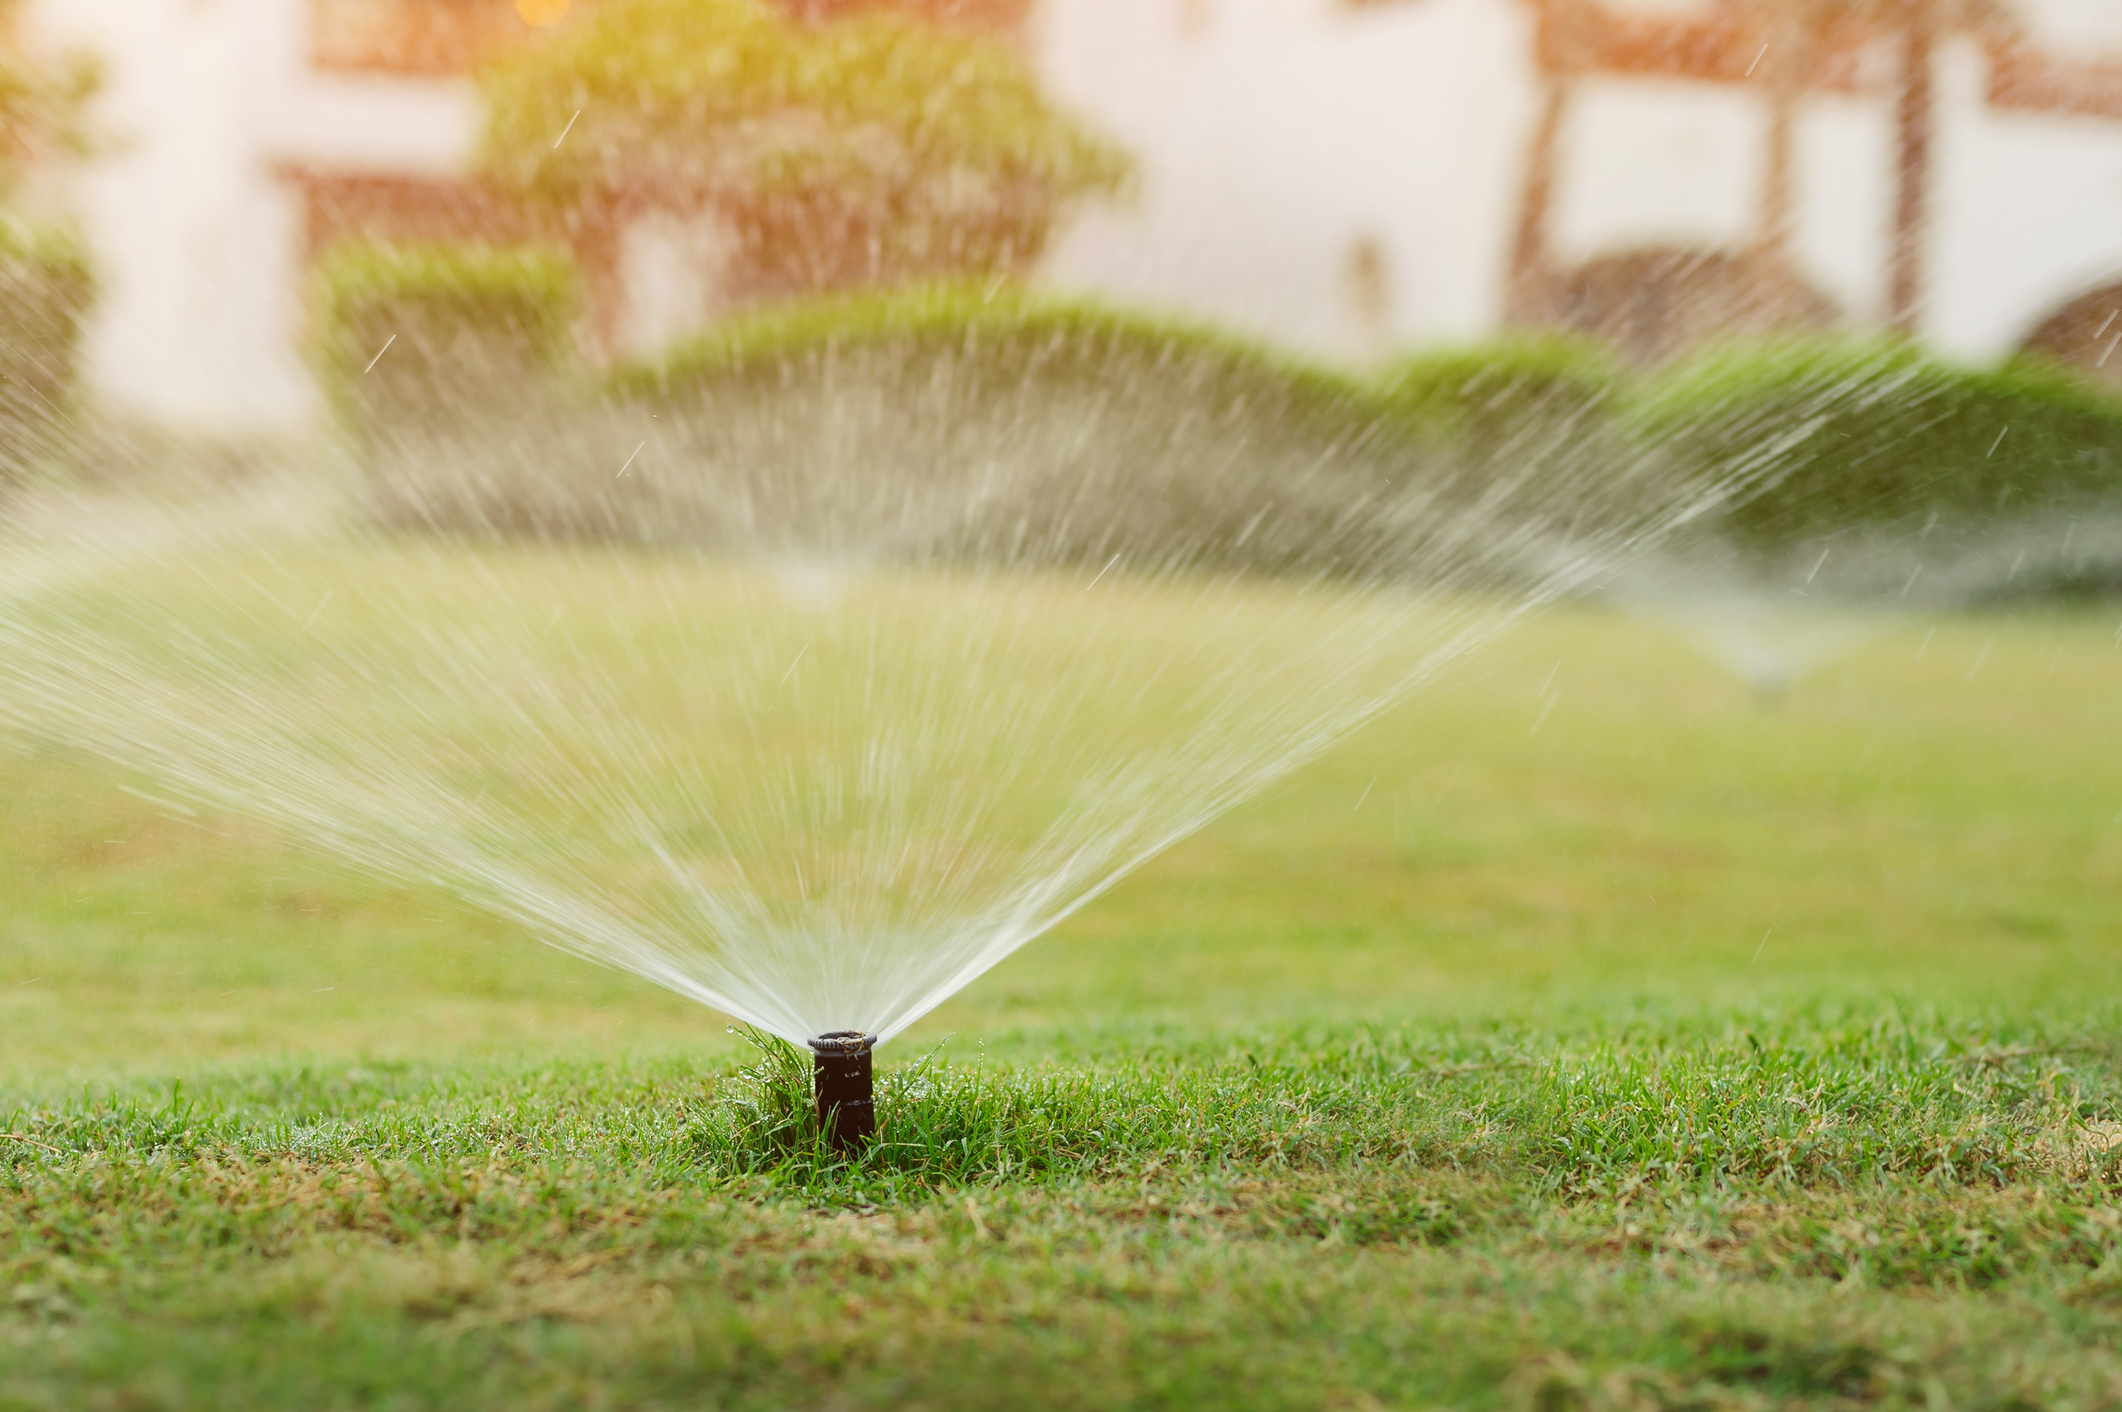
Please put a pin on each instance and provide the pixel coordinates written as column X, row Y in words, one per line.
column 876, row 706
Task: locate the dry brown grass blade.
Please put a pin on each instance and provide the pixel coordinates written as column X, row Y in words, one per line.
column 32, row 1142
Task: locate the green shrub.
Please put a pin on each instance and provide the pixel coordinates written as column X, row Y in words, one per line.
column 1871, row 435
column 983, row 422
column 991, row 422
column 1487, row 393
column 1010, row 339
column 1532, row 421
column 438, row 357
column 46, row 289
column 421, row 335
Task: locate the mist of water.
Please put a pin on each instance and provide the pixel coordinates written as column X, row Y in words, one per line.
column 1772, row 619
column 813, row 717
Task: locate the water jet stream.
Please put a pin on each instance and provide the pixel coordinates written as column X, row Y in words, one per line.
column 821, row 769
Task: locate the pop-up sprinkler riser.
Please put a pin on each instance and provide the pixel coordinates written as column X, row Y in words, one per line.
column 843, row 1087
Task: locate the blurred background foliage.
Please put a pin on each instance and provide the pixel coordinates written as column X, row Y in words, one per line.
column 1906, row 438
column 43, row 107
column 890, row 181
column 873, row 139
column 474, row 322
column 1870, row 434
column 47, row 284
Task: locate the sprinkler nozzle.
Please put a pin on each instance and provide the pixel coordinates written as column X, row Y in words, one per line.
column 842, row 1085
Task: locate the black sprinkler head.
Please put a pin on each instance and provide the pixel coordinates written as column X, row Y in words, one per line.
column 842, row 1085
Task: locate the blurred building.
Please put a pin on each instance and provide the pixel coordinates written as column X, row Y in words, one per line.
column 1351, row 175
column 1292, row 145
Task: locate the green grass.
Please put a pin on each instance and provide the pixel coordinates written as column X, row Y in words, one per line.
column 1583, row 1035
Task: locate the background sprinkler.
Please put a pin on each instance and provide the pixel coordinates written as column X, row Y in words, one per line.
column 842, row 1085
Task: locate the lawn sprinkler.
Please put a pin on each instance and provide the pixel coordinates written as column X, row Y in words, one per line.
column 842, row 1084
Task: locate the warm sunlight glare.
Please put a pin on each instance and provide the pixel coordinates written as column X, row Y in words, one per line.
column 542, row 12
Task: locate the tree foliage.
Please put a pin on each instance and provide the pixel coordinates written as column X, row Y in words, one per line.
column 930, row 149
column 42, row 105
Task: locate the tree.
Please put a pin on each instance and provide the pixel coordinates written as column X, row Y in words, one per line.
column 865, row 147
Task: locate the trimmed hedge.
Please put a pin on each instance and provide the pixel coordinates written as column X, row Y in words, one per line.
column 1875, row 436
column 968, row 422
column 1486, row 392
column 1530, row 412
column 1008, row 336
column 985, row 421
column 982, row 421
column 436, row 356
column 458, row 321
column 46, row 290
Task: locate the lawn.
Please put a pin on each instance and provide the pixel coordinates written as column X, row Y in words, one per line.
column 1585, row 1033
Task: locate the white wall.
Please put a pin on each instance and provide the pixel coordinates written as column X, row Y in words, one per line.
column 2081, row 28
column 1279, row 130
column 1274, row 134
column 162, row 206
column 1844, row 155
column 197, row 243
column 1645, row 162
column 2028, row 214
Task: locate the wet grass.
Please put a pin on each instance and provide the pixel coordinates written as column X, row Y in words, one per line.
column 1826, row 1208
column 1589, row 1038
